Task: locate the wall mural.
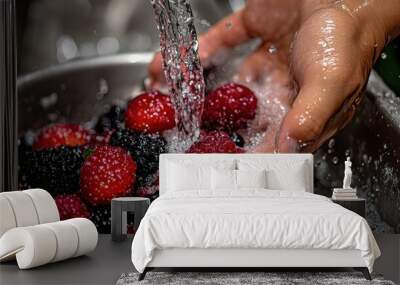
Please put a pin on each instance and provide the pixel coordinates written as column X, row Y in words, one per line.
column 116, row 152
column 89, row 132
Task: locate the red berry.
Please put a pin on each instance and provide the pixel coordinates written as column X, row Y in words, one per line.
column 229, row 107
column 214, row 142
column 62, row 135
column 150, row 112
column 108, row 172
column 71, row 206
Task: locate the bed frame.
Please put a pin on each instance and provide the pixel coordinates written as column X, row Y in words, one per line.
column 242, row 259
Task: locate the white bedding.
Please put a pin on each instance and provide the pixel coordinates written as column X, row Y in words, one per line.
column 251, row 218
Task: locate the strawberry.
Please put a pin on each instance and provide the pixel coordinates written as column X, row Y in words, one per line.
column 62, row 135
column 145, row 150
column 229, row 107
column 71, row 206
column 150, row 112
column 107, row 172
column 214, row 142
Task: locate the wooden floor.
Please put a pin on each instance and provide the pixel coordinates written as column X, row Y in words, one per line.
column 110, row 260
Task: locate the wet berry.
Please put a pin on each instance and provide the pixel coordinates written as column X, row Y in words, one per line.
column 71, row 206
column 229, row 108
column 62, row 135
column 237, row 139
column 101, row 217
column 107, row 172
column 150, row 112
column 145, row 149
column 112, row 120
column 55, row 170
column 214, row 142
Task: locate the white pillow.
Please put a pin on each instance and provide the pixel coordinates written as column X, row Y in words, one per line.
column 281, row 174
column 251, row 178
column 236, row 179
column 293, row 180
column 182, row 177
column 223, row 179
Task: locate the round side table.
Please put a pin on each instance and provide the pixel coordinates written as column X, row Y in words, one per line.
column 119, row 208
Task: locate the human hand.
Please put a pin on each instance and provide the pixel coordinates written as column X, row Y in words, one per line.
column 330, row 47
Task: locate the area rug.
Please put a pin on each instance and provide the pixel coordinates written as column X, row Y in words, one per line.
column 243, row 278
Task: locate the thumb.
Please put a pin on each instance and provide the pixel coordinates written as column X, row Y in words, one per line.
column 330, row 79
column 313, row 118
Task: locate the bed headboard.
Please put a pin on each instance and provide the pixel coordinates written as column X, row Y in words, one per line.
column 212, row 158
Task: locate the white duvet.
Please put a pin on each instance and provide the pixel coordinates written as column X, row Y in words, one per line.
column 250, row 219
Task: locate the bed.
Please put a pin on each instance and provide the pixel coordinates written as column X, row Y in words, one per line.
column 246, row 211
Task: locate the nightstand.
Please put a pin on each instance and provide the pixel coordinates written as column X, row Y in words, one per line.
column 119, row 208
column 356, row 205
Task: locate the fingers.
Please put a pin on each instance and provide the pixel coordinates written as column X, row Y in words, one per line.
column 227, row 33
column 267, row 74
column 311, row 122
column 329, row 66
column 273, row 19
column 155, row 71
column 262, row 63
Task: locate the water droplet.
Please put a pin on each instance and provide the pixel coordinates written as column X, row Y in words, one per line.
column 272, row 49
column 205, row 23
column 103, row 89
column 48, row 101
column 383, row 55
column 331, row 143
column 335, row 160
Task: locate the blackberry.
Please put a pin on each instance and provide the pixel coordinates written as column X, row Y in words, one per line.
column 55, row 170
column 237, row 139
column 148, row 180
column 151, row 192
column 101, row 217
column 145, row 149
column 113, row 119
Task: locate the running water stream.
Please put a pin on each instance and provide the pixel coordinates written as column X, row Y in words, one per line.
column 182, row 68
